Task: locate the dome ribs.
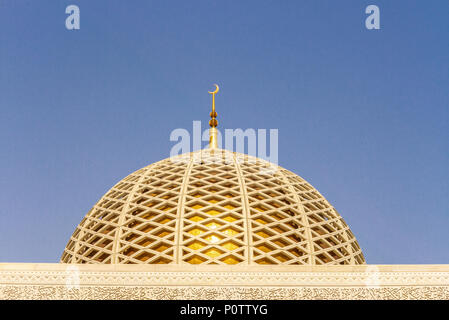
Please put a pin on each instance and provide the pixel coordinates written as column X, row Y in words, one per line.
column 213, row 229
column 213, row 207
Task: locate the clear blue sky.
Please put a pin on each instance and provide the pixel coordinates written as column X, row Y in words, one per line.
column 362, row 115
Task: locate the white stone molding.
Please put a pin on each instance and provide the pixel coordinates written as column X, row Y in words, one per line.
column 61, row 281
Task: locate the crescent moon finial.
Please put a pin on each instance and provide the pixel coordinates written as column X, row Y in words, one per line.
column 213, row 144
column 216, row 89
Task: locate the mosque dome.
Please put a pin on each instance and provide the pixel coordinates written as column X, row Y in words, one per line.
column 213, row 206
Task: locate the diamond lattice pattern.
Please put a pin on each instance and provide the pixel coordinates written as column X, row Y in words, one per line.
column 213, row 207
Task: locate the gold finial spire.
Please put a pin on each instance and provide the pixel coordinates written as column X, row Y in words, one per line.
column 213, row 123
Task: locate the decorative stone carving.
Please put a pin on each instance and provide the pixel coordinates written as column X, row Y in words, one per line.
column 60, row 281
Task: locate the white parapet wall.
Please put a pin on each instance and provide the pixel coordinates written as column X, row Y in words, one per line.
column 252, row 282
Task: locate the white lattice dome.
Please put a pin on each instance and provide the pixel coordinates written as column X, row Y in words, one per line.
column 213, row 207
